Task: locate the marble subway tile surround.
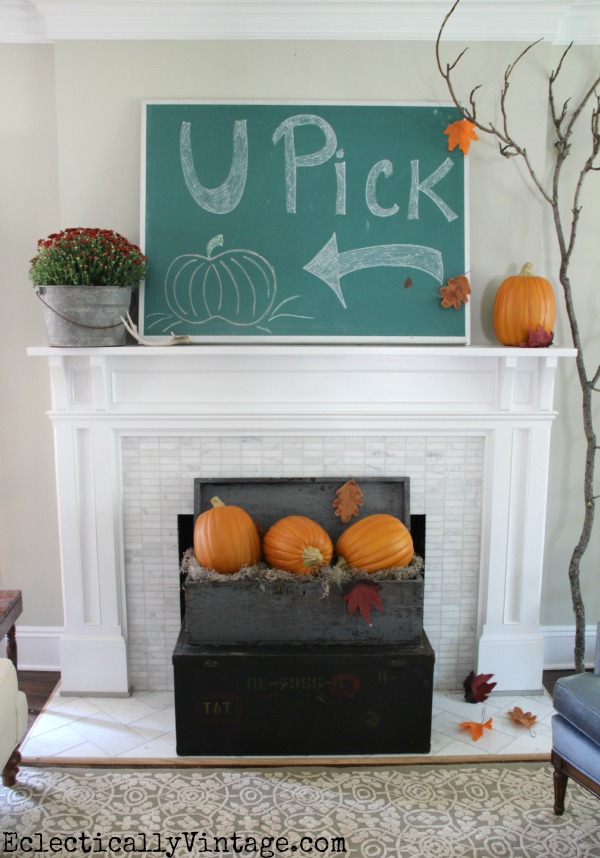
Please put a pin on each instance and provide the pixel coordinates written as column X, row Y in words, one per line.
column 446, row 474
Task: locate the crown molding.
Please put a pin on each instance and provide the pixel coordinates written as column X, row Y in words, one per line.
column 556, row 21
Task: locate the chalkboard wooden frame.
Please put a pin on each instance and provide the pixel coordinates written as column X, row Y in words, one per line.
column 302, row 222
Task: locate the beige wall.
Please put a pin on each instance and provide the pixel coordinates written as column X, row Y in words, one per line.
column 29, row 207
column 70, row 146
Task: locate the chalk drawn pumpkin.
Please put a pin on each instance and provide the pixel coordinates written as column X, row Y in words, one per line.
column 235, row 286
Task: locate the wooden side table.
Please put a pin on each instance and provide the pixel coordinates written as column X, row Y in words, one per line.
column 11, row 607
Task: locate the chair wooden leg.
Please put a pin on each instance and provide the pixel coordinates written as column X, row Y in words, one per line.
column 11, row 769
column 560, row 789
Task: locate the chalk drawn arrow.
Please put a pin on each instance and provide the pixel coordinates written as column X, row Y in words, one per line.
column 330, row 265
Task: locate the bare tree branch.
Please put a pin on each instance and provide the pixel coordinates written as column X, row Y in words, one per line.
column 558, row 120
column 564, row 120
column 507, row 145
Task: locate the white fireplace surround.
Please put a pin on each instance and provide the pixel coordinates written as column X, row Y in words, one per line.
column 134, row 425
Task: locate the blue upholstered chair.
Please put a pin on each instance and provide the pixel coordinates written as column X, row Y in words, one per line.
column 576, row 732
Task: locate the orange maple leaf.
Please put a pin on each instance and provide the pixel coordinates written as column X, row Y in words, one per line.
column 476, row 727
column 527, row 719
column 349, row 498
column 457, row 290
column 460, row 133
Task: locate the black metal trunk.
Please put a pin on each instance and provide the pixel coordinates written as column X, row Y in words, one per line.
column 316, row 700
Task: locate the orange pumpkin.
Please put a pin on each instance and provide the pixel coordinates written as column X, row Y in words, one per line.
column 297, row 544
column 226, row 538
column 376, row 542
column 523, row 303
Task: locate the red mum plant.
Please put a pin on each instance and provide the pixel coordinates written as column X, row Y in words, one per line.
column 87, row 257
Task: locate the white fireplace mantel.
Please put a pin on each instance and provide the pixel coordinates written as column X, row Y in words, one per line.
column 102, row 396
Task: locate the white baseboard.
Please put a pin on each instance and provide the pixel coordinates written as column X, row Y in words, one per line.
column 558, row 646
column 38, row 647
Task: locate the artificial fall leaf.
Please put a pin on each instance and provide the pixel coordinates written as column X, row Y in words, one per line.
column 461, row 133
column 540, row 338
column 477, row 688
column 476, row 727
column 362, row 597
column 527, row 719
column 456, row 291
column 349, row 498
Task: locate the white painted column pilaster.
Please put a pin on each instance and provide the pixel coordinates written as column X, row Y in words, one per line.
column 92, row 647
column 511, row 645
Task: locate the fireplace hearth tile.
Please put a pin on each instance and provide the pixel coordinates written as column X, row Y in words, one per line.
column 62, row 743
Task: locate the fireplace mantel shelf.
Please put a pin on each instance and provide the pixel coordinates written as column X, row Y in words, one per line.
column 308, row 349
column 293, row 400
column 301, row 388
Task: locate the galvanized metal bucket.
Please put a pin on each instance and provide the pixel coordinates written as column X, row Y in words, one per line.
column 79, row 316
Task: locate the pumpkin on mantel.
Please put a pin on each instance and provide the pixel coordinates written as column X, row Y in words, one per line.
column 226, row 538
column 297, row 544
column 523, row 303
column 379, row 541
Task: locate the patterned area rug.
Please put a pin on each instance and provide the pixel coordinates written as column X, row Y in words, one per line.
column 467, row 811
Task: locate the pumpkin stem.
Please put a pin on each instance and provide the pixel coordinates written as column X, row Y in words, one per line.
column 342, row 563
column 217, row 502
column 217, row 241
column 526, row 270
column 311, row 557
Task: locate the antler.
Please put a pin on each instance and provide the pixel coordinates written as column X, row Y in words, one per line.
column 174, row 340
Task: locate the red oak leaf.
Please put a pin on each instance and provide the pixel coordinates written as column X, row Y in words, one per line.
column 477, row 688
column 361, row 598
column 540, row 338
column 460, row 134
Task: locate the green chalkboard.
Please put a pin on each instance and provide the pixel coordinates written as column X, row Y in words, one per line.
column 329, row 222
